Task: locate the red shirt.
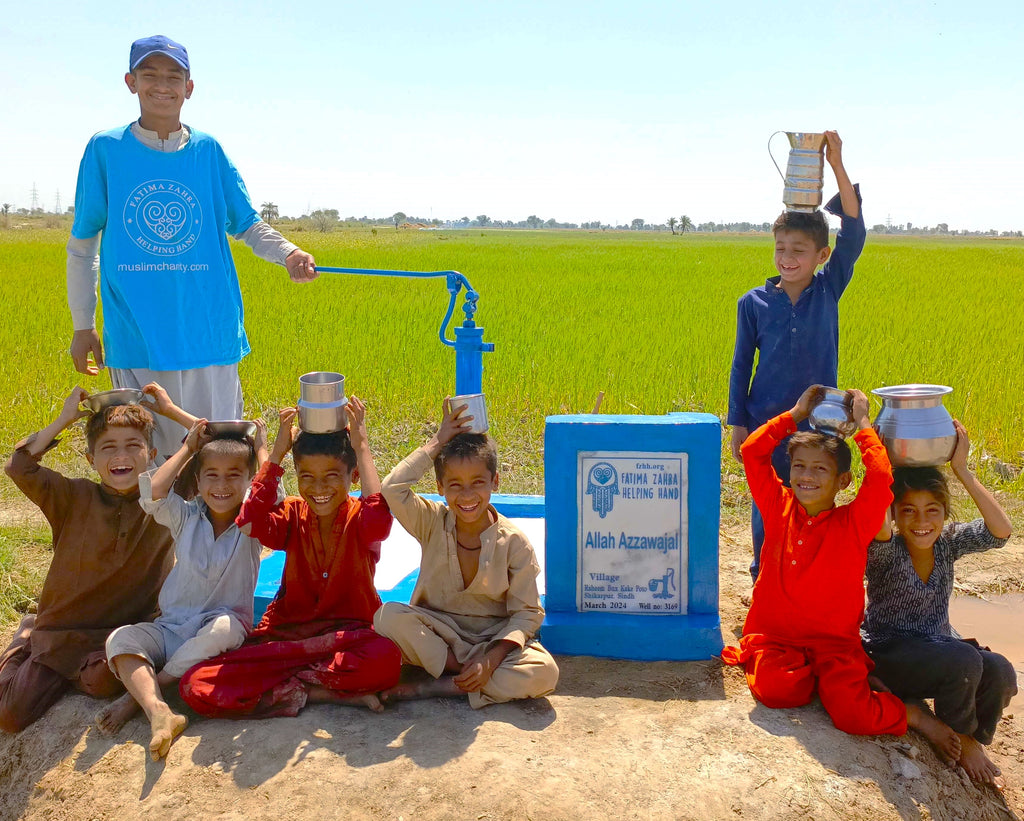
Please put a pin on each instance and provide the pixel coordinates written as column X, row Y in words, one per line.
column 811, row 583
column 321, row 584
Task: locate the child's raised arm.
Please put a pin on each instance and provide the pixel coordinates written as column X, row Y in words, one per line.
column 453, row 422
column 834, row 155
column 71, row 412
column 163, row 405
column 369, row 481
column 163, row 478
column 996, row 520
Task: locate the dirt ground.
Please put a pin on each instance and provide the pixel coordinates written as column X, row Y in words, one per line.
column 618, row 740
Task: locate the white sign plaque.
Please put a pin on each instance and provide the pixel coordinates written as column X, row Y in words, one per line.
column 632, row 532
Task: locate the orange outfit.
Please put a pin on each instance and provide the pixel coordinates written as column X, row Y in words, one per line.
column 803, row 628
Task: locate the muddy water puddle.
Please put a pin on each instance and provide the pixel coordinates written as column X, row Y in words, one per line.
column 998, row 624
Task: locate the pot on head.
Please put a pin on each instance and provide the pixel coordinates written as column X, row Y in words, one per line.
column 833, row 414
column 322, row 402
column 915, row 427
column 804, row 177
column 476, row 407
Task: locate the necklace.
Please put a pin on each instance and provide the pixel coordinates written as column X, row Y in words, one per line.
column 470, row 549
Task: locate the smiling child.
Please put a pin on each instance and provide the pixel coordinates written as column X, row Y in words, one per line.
column 110, row 559
column 206, row 604
column 314, row 643
column 475, row 610
column 791, row 322
column 802, row 633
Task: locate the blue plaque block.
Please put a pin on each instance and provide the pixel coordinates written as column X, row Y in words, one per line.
column 631, row 546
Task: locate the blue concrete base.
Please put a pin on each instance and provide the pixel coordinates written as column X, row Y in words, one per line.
column 640, row 638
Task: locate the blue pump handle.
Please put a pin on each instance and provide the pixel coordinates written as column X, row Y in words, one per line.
column 455, row 283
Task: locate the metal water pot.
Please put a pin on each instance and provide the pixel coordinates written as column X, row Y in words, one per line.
column 833, row 414
column 915, row 427
column 322, row 402
column 804, row 178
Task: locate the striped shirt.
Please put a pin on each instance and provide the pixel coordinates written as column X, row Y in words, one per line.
column 900, row 605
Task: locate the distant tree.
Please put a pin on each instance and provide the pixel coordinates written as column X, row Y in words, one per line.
column 533, row 221
column 483, row 220
column 551, row 223
column 685, row 224
column 637, row 224
column 6, row 207
column 268, row 212
column 324, row 219
column 398, row 218
column 671, row 223
column 942, row 228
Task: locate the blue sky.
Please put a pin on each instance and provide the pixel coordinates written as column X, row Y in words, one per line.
column 578, row 111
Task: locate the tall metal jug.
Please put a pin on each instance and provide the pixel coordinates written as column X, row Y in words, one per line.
column 804, row 172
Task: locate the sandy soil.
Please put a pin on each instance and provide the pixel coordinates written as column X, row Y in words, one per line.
column 619, row 740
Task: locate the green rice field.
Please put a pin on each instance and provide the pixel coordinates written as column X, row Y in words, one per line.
column 647, row 318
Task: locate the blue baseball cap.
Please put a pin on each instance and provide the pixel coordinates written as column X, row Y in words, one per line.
column 157, row 44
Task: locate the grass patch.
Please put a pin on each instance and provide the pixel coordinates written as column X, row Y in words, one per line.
column 24, row 559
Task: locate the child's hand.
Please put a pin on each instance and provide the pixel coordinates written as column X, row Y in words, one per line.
column 454, row 421
column 72, row 409
column 958, row 461
column 739, row 436
column 475, row 673
column 259, row 439
column 861, row 408
column 162, row 403
column 833, row 149
column 286, row 434
column 808, row 399
column 356, row 411
column 197, row 436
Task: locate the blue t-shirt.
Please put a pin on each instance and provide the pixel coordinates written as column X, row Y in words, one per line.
column 168, row 284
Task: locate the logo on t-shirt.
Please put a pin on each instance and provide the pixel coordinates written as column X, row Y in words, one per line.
column 163, row 217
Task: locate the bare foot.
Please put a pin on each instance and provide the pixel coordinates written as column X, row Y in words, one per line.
column 322, row 695
column 941, row 735
column 115, row 715
column 430, row 688
column 977, row 764
column 165, row 726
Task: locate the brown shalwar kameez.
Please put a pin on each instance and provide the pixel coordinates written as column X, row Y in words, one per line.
column 109, row 560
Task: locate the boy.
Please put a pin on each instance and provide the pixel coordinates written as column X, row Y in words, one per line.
column 162, row 195
column 314, row 643
column 475, row 609
column 206, row 604
column 793, row 319
column 109, row 560
column 803, row 628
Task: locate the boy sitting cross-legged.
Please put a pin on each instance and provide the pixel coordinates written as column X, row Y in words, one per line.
column 475, row 609
column 314, row 643
column 803, row 630
column 110, row 559
column 206, row 604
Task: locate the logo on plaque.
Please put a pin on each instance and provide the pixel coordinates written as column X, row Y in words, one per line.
column 603, row 487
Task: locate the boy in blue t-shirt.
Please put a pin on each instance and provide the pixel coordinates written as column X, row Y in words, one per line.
column 793, row 319
column 154, row 202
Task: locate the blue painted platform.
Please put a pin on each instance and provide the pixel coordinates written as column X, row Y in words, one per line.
column 399, row 564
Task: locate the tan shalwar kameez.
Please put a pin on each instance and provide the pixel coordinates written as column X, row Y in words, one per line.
column 500, row 604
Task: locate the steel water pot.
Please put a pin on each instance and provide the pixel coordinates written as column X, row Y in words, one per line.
column 322, row 402
column 804, row 177
column 914, row 425
column 476, row 406
column 833, row 414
